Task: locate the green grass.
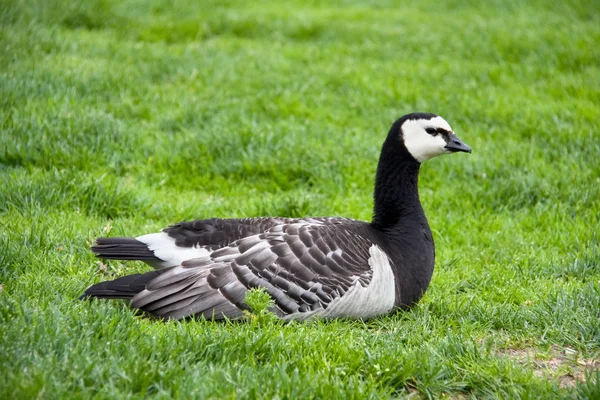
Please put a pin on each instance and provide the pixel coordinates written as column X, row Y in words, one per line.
column 118, row 118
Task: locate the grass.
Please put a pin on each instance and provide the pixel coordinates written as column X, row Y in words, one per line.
column 118, row 118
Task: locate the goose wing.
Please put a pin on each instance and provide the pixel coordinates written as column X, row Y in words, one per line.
column 309, row 268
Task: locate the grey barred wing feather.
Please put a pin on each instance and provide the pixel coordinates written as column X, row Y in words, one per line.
column 186, row 240
column 308, row 268
column 215, row 233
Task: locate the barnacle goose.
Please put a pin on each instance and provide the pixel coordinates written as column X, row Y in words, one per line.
column 311, row 267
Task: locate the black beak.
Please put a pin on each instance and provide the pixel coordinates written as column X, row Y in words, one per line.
column 455, row 144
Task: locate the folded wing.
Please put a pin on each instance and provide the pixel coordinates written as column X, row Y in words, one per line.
column 308, row 268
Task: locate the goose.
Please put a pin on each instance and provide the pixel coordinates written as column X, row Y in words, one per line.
column 325, row 267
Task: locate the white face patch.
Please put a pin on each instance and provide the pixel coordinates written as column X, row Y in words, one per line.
column 421, row 145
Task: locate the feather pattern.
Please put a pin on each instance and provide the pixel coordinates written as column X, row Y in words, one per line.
column 215, row 233
column 298, row 263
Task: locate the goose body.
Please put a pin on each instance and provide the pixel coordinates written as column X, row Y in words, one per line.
column 324, row 267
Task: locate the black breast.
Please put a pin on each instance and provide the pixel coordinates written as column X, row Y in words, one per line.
column 412, row 255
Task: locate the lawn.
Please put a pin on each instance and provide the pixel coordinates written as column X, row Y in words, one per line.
column 121, row 117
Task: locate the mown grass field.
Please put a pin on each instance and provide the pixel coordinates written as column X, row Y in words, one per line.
column 118, row 118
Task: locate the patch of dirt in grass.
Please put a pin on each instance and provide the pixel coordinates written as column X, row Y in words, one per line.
column 563, row 364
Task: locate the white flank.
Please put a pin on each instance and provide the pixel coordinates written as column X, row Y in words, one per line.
column 164, row 248
column 419, row 143
column 377, row 298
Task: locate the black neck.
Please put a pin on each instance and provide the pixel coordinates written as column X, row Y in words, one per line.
column 396, row 186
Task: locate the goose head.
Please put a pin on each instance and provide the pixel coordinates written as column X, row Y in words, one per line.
column 428, row 135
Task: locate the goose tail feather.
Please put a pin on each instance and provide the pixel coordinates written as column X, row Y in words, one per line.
column 122, row 288
column 123, row 249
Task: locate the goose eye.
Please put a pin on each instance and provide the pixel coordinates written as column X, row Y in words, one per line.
column 431, row 131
